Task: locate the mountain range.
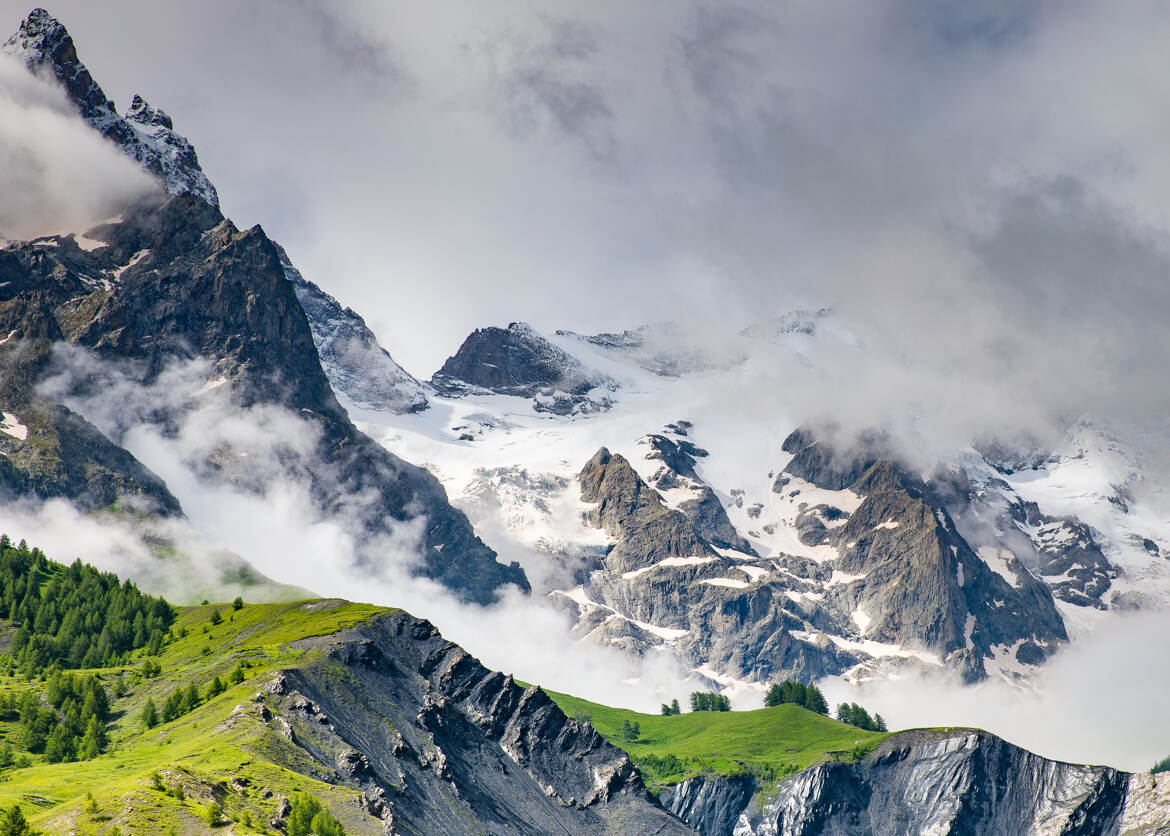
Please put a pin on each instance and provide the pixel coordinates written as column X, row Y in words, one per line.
column 652, row 487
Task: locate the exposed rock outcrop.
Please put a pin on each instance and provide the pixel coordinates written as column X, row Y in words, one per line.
column 519, row 361
column 356, row 365
column 437, row 743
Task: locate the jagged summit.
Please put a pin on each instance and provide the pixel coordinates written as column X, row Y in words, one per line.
column 356, row 365
column 144, row 133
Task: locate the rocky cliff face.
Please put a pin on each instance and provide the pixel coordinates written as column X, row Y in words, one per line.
column 439, row 744
column 663, row 584
column 519, row 361
column 891, row 571
column 175, row 281
column 962, row 782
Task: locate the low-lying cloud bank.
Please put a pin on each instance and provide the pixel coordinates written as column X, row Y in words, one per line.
column 1103, row 699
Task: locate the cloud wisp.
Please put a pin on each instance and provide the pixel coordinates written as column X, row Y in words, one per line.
column 56, row 173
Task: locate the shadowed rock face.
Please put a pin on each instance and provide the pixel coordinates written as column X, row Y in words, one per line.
column 917, row 580
column 662, row 572
column 356, row 365
column 439, row 744
column 704, row 509
column 354, row 362
column 178, row 281
column 968, row 783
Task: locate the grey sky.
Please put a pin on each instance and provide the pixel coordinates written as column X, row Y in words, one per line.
column 978, row 187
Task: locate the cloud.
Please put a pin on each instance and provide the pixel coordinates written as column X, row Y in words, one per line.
column 1100, row 700
column 543, row 86
column 56, row 173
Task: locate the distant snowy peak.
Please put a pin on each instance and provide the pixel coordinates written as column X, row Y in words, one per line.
column 520, row 361
column 144, row 133
column 356, row 365
column 667, row 349
column 792, row 322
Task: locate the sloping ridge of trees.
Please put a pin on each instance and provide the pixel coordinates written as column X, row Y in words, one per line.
column 74, row 616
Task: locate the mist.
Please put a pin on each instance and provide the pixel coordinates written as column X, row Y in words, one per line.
column 56, row 173
column 263, row 510
column 975, row 190
column 1099, row 700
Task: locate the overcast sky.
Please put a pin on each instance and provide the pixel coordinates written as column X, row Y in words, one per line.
column 978, row 187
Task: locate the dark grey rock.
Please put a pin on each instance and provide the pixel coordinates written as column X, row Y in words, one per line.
column 443, row 745
column 519, row 361
column 182, row 282
column 711, row 804
column 356, row 365
column 962, row 782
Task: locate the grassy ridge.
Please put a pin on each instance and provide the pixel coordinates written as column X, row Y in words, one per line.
column 198, row 752
column 768, row 742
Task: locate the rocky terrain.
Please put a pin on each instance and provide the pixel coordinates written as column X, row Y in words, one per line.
column 518, row 361
column 818, row 554
column 439, row 744
column 357, row 366
column 960, row 781
column 144, row 133
column 175, row 282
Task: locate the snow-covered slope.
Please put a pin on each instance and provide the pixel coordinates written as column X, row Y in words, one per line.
column 357, row 366
column 758, row 561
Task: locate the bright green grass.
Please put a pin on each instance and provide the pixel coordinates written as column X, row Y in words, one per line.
column 199, row 751
column 768, row 742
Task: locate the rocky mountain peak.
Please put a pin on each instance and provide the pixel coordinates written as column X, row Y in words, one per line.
column 142, row 113
column 144, row 133
column 46, row 48
column 520, row 361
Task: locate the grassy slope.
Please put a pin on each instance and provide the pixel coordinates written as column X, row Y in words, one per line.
column 770, row 742
column 203, row 754
column 196, row 751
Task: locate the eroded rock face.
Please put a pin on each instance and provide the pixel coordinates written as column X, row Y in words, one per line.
column 436, row 743
column 356, row 365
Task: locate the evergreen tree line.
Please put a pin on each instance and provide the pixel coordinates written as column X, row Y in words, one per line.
column 797, row 693
column 69, row 724
column 74, row 616
column 181, row 700
column 855, row 715
column 671, row 710
column 709, row 701
column 13, row 823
